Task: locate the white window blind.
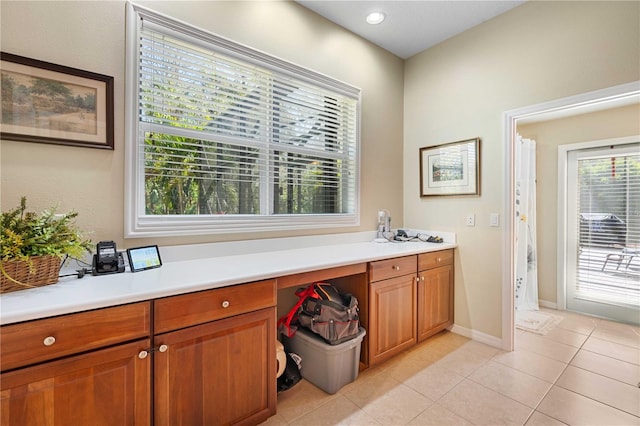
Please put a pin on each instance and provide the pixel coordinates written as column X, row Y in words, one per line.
column 608, row 217
column 230, row 139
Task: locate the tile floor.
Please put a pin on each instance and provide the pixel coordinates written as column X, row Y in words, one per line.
column 586, row 371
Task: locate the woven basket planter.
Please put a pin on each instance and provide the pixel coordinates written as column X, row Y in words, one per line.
column 20, row 274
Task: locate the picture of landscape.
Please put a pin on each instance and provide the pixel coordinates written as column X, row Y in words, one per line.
column 41, row 103
column 54, row 104
column 450, row 169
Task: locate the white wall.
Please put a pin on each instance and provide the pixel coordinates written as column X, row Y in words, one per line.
column 537, row 52
column 89, row 35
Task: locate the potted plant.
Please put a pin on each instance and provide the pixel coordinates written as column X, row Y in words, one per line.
column 32, row 246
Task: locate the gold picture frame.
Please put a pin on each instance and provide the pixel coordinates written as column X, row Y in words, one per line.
column 48, row 103
column 450, row 169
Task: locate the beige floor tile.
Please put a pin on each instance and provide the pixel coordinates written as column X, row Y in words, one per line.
column 434, row 381
column 462, row 362
column 609, row 367
column 512, row 383
column 613, row 350
column 301, row 399
column 619, row 333
column 567, row 337
column 608, row 391
column 577, row 323
column 539, row 419
column 574, row 409
column 407, row 365
column 483, row 406
column 340, row 411
column 276, row 420
column 363, row 377
column 438, row 346
column 480, row 349
column 397, row 406
column 447, row 338
column 531, row 363
column 370, row 388
column 545, row 347
column 437, row 415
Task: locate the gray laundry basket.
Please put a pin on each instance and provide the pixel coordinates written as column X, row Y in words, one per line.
column 329, row 367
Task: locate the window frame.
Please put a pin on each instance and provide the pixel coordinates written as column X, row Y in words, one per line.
column 137, row 222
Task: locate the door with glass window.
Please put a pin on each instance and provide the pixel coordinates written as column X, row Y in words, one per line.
column 603, row 232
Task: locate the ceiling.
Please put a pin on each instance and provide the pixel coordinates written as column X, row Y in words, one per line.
column 410, row 26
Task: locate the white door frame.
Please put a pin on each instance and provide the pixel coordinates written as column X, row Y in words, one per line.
column 572, row 105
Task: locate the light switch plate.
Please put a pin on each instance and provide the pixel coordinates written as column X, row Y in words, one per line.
column 494, row 219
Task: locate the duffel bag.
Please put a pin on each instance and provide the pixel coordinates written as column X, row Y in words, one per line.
column 331, row 315
column 324, row 311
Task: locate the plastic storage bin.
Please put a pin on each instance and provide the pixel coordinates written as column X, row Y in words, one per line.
column 329, row 367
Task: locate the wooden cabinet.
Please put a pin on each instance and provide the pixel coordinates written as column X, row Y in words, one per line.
column 435, row 292
column 209, row 360
column 410, row 299
column 392, row 307
column 108, row 384
column 218, row 361
column 41, row 340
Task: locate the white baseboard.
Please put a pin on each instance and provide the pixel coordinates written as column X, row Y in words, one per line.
column 547, row 304
column 478, row 336
column 487, row 338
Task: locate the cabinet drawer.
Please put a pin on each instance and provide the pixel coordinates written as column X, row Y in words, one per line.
column 435, row 259
column 40, row 340
column 383, row 269
column 182, row 311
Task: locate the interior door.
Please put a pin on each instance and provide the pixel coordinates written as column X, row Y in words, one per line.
column 603, row 232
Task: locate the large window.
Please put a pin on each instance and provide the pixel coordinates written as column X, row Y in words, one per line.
column 223, row 138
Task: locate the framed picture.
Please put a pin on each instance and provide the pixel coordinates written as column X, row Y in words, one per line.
column 49, row 103
column 450, row 169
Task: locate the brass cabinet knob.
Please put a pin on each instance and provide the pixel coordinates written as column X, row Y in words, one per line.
column 49, row 340
column 226, row 304
column 163, row 348
column 143, row 354
column 396, row 268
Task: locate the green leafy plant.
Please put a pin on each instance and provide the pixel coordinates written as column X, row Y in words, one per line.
column 25, row 234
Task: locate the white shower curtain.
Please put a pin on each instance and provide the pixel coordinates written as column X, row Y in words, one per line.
column 526, row 286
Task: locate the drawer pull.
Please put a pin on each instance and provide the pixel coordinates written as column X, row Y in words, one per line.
column 163, row 348
column 143, row 354
column 48, row 341
column 225, row 304
column 396, row 268
column 439, row 259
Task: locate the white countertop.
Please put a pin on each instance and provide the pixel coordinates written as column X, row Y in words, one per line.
column 183, row 276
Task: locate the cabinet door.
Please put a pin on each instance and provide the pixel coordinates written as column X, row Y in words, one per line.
column 435, row 301
column 392, row 317
column 103, row 387
column 218, row 373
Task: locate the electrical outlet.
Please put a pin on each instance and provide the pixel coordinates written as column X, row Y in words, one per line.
column 471, row 219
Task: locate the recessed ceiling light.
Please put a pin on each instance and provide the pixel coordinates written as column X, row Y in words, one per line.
column 374, row 18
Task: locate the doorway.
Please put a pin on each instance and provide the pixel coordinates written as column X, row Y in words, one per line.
column 599, row 99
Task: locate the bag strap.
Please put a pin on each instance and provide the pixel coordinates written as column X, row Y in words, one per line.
column 285, row 323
